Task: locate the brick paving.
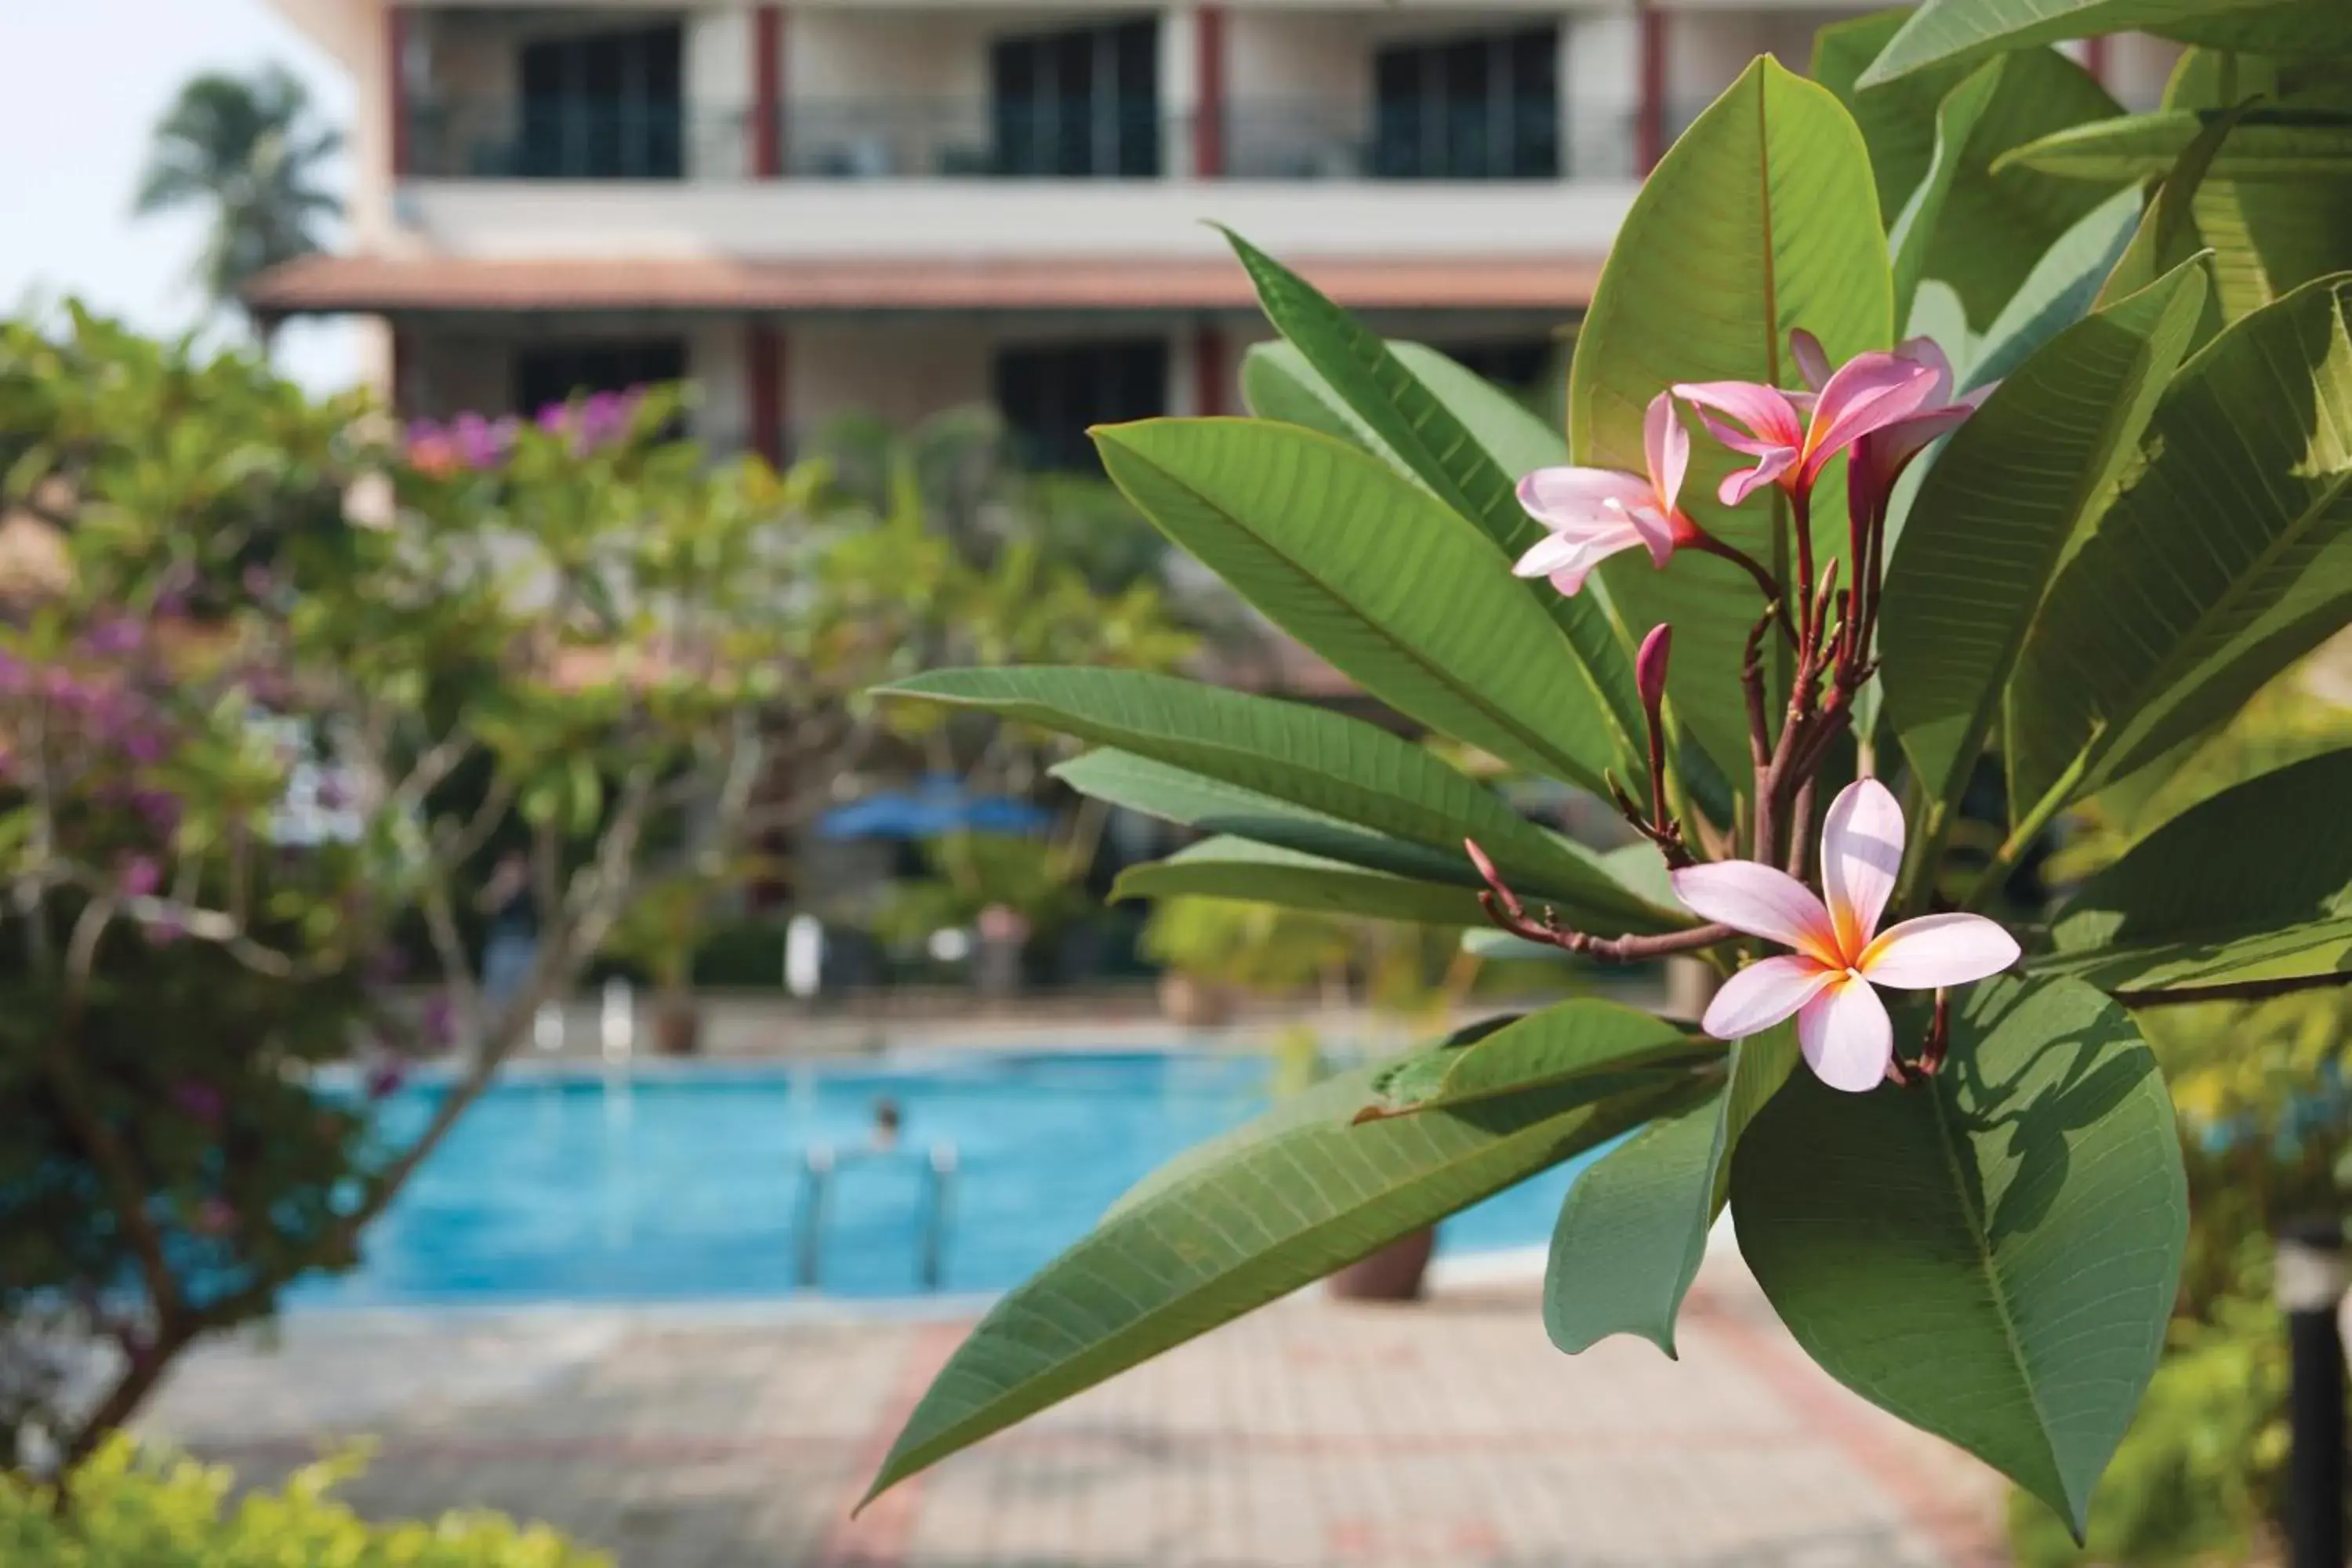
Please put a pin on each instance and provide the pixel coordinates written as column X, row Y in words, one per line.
column 1312, row 1434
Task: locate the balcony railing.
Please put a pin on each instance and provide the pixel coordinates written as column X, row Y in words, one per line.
column 897, row 138
column 577, row 139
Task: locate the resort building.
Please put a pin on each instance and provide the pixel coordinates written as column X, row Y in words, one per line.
column 895, row 206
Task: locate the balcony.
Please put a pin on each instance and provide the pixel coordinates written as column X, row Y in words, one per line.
column 906, row 139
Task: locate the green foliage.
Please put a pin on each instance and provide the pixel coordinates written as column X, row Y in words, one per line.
column 133, row 1510
column 1953, row 32
column 1993, row 1258
column 1768, row 207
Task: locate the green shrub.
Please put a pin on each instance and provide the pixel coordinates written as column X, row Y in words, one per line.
column 135, row 1510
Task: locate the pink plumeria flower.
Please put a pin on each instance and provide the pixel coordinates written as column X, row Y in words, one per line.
column 1828, row 981
column 1882, row 454
column 1595, row 513
column 1793, row 435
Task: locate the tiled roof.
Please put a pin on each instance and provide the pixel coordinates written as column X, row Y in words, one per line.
column 396, row 286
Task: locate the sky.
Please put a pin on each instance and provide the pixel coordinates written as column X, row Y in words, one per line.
column 88, row 82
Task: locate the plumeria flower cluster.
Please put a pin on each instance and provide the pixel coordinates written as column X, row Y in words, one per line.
column 1880, row 411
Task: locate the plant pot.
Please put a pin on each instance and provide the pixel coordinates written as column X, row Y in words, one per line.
column 1394, row 1273
column 678, row 1029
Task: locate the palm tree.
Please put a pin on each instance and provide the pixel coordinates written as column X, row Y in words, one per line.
column 249, row 148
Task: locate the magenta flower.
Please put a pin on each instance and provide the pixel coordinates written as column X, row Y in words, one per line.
column 1595, row 513
column 141, row 876
column 1793, row 435
column 1828, row 981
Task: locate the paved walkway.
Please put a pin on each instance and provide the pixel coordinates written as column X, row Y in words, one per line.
column 1312, row 1433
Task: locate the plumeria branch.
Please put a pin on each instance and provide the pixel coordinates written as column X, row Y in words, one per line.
column 1505, row 908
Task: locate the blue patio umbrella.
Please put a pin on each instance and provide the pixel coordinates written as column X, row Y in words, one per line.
column 935, row 806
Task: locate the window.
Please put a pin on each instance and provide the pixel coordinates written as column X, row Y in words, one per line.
column 559, row 370
column 1049, row 395
column 1468, row 108
column 604, row 106
column 1083, row 103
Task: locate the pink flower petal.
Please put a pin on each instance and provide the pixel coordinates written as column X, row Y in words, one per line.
column 1764, row 992
column 1812, row 360
column 1761, row 900
column 1766, row 410
column 1939, row 950
column 1929, row 353
column 1738, row 487
column 1868, row 393
column 1568, row 558
column 1847, row 1035
column 1655, row 533
column 1571, row 497
column 1667, row 446
column 1862, row 855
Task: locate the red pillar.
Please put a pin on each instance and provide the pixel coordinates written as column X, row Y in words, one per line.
column 396, row 84
column 768, row 92
column 764, row 361
column 1212, row 372
column 1650, row 126
column 2094, row 57
column 1209, row 71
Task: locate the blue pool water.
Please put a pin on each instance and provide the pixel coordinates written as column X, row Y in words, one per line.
column 687, row 1184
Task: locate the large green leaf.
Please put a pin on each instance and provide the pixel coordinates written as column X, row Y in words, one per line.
column 2062, row 287
column 2268, row 237
column 1991, row 1257
column 1912, row 236
column 1325, row 762
column 2252, row 884
column 1955, row 32
column 2227, row 556
column 1398, row 591
column 2262, row 147
column 1195, row 800
column 1449, row 455
column 1226, row 867
column 1274, row 1214
column 1633, row 1229
column 1760, row 219
column 2017, row 487
column 1514, row 436
column 1992, row 223
column 1576, row 1039
column 1278, row 383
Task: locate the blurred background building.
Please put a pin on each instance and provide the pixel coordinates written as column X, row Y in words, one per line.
column 898, row 207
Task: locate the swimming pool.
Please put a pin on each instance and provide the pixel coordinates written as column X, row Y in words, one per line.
column 688, row 1184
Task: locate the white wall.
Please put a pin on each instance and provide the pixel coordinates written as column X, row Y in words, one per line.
column 1601, row 92
column 718, row 361
column 952, row 220
column 900, row 371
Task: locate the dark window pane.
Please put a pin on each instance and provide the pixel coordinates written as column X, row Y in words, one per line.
column 1078, row 102
column 1468, row 108
column 1049, row 395
column 605, row 105
column 556, row 372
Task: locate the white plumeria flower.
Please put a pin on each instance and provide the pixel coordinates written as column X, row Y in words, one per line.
column 1828, row 983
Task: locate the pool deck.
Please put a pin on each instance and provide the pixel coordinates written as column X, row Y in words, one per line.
column 1312, row 1433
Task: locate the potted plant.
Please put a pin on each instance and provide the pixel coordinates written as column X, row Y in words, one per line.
column 661, row 932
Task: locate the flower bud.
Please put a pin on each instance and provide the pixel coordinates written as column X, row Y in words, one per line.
column 1650, row 669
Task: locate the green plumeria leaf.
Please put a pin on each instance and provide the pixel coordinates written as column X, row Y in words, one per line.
column 1768, row 209
column 1993, row 221
column 1273, row 1212
column 1993, row 1255
column 1956, row 32
column 1237, row 869
column 1633, row 1229
column 1397, row 590
column 2252, row 884
column 1470, row 468
column 2018, row 487
column 1325, row 763
column 2264, row 146
column 2227, row 555
column 1573, row 1040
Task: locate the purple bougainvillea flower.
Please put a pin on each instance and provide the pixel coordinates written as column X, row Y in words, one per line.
column 1828, row 981
column 199, row 1101
column 1591, row 514
column 141, row 876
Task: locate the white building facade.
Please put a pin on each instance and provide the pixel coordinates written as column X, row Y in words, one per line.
column 898, row 207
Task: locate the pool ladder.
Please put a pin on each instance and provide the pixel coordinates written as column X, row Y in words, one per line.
column 817, row 1168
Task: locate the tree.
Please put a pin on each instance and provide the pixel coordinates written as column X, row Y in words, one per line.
column 248, row 151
